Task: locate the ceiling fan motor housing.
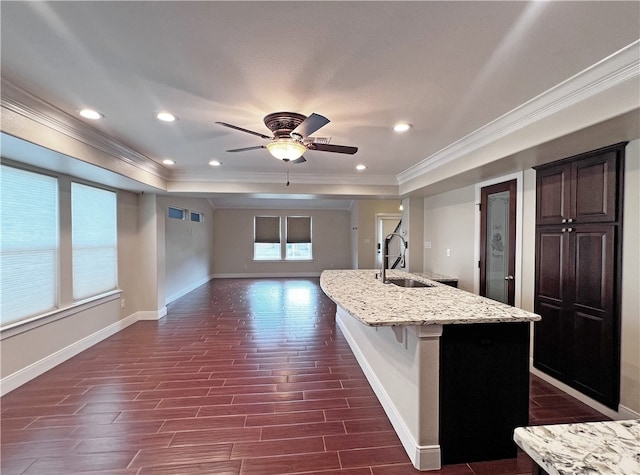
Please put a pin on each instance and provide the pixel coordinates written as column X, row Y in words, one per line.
column 282, row 123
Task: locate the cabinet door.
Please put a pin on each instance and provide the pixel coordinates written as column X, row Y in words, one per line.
column 553, row 194
column 594, row 194
column 553, row 287
column 594, row 328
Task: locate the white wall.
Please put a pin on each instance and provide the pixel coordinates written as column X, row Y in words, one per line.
column 366, row 244
column 233, row 248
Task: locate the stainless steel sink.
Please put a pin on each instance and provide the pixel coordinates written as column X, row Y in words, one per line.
column 408, row 283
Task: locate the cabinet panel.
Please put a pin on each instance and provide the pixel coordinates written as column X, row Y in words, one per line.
column 594, row 197
column 594, row 267
column 552, row 250
column 553, row 194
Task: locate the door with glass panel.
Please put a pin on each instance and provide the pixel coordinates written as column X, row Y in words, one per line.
column 497, row 241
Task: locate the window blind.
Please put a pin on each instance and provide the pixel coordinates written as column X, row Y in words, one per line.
column 298, row 229
column 94, row 240
column 267, row 229
column 28, row 244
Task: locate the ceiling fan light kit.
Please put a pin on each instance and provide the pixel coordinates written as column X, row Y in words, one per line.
column 290, row 138
column 286, row 149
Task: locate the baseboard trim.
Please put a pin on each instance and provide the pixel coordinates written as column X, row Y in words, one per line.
column 259, row 275
column 423, row 457
column 186, row 290
column 618, row 415
column 34, row 370
column 151, row 314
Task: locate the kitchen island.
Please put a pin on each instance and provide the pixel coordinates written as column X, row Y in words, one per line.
column 450, row 368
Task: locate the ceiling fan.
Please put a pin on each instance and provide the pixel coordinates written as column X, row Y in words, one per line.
column 290, row 138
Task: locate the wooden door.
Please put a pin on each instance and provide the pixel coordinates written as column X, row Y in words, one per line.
column 553, row 288
column 594, row 328
column 498, row 241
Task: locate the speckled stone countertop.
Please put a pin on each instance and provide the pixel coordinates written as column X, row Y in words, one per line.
column 366, row 298
column 602, row 448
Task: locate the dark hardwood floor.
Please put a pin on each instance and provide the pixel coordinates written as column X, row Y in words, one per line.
column 244, row 376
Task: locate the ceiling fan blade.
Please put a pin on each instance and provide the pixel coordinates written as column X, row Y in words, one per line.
column 243, row 130
column 246, row 148
column 299, row 160
column 310, row 125
column 325, row 147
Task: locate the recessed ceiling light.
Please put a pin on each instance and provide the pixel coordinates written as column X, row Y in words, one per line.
column 166, row 117
column 168, row 161
column 402, row 127
column 91, row 114
column 361, row 167
column 215, row 163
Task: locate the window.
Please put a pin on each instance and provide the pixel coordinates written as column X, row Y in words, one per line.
column 28, row 244
column 94, row 240
column 197, row 217
column 268, row 245
column 266, row 242
column 177, row 213
column 298, row 238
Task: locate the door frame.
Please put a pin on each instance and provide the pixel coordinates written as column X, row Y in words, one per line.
column 519, row 177
column 378, row 218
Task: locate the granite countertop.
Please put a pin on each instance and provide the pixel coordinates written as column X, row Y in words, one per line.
column 603, row 448
column 366, row 298
column 436, row 277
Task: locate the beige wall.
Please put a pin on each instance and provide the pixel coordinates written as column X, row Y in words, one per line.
column 233, row 238
column 366, row 211
column 188, row 246
column 630, row 361
column 449, row 223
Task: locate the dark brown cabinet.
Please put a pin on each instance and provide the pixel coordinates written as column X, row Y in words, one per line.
column 578, row 269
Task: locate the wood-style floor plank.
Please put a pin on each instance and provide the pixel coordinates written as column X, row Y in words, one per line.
column 242, row 377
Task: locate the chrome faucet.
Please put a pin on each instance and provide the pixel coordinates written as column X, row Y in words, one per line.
column 385, row 255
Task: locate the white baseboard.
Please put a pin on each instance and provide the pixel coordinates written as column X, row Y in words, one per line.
column 423, row 457
column 186, row 290
column 622, row 413
column 34, row 370
column 151, row 314
column 273, row 275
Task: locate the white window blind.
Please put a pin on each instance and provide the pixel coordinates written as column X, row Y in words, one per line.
column 28, row 244
column 94, row 240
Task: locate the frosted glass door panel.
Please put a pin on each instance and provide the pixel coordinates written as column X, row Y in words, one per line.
column 497, row 252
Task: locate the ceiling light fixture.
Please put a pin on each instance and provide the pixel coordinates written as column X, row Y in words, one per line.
column 361, row 167
column 286, row 149
column 168, row 161
column 91, row 114
column 215, row 163
column 166, row 117
column 402, row 127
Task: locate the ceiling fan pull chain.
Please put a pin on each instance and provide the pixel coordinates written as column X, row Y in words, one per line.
column 287, row 177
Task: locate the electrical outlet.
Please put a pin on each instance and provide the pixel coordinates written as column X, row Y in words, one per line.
column 122, row 303
column 448, row 252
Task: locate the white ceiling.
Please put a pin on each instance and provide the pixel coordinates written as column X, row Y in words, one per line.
column 449, row 68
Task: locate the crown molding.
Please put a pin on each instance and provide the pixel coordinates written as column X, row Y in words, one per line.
column 618, row 68
column 21, row 102
column 270, row 178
